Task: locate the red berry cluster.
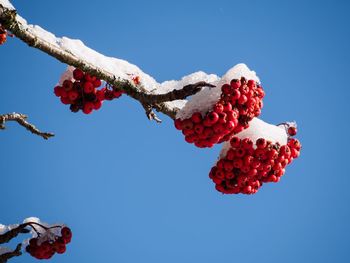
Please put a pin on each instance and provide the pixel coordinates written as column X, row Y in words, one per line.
column 244, row 169
column 82, row 93
column 48, row 248
column 240, row 102
column 3, row 35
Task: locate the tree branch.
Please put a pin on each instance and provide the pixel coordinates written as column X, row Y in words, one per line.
column 6, row 237
column 21, row 120
column 15, row 253
column 53, row 46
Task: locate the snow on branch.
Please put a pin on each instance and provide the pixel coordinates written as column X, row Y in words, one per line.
column 21, row 120
column 167, row 97
column 4, row 257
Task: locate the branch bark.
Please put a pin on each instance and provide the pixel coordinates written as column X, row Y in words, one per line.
column 21, row 120
column 9, row 235
column 12, row 22
column 15, row 253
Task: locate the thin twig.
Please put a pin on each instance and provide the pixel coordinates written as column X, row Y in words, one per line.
column 21, row 120
column 15, row 253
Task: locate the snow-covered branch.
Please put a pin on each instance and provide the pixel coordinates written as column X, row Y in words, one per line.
column 167, row 97
column 4, row 257
column 21, row 120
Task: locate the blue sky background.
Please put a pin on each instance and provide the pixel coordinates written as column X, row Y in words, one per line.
column 134, row 191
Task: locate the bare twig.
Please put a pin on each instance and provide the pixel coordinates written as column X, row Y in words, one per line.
column 15, row 253
column 21, row 120
column 150, row 113
column 9, row 20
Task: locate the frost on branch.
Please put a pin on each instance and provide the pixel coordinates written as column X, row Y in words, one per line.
column 45, row 241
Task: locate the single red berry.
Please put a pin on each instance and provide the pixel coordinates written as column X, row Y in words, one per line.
column 229, row 125
column 191, row 138
column 97, row 104
column 78, row 74
column 88, row 107
column 88, row 87
column 187, row 124
column 199, row 128
column 178, row 124
column 292, row 131
column 65, row 100
column 58, row 91
column 67, row 85
column 226, row 89
column 235, row 83
column 242, row 99
column 247, row 143
column 97, row 83
column 235, row 142
column 236, row 94
column 212, row 117
column 66, row 234
column 89, row 78
column 251, row 83
column 74, row 107
column 100, row 94
column 117, row 93
column 3, row 38
column 73, row 95
column 218, row 108
column 227, row 107
column 261, row 143
column 196, row 117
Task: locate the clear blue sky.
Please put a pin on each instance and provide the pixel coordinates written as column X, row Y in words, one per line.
column 134, row 191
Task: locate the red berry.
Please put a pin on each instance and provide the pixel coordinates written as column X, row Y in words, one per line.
column 199, row 128
column 226, row 89
column 100, row 95
column 97, row 83
column 67, row 85
column 97, row 105
column 88, row 107
column 88, row 87
column 117, row 93
column 58, row 91
column 251, row 84
column 187, row 124
column 196, row 117
column 73, row 95
column 218, row 108
column 66, row 234
column 212, row 117
column 178, row 124
column 235, row 142
column 78, row 74
column 235, row 83
column 261, row 143
column 292, row 131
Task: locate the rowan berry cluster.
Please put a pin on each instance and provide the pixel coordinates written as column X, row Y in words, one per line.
column 245, row 168
column 240, row 102
column 47, row 248
column 82, row 92
column 3, row 35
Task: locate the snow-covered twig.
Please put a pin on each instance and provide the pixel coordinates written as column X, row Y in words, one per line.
column 21, row 120
column 15, row 253
column 116, row 72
